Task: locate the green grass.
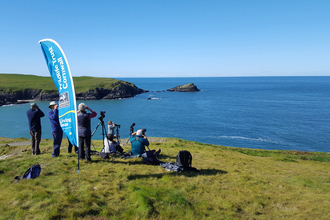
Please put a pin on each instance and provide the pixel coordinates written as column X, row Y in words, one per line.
column 232, row 183
column 19, row 83
column 286, row 155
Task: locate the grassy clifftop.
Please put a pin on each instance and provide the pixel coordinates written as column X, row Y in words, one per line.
column 20, row 82
column 232, row 183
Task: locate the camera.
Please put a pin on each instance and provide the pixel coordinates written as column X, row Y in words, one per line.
column 143, row 131
column 102, row 113
column 132, row 128
column 117, row 125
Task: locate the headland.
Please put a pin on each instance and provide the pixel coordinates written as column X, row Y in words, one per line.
column 19, row 88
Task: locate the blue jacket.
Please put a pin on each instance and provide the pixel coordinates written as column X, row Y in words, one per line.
column 137, row 144
column 54, row 121
column 34, row 119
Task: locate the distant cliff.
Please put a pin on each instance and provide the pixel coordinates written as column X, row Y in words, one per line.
column 184, row 88
column 17, row 88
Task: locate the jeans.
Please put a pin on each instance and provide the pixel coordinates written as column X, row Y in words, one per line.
column 57, row 140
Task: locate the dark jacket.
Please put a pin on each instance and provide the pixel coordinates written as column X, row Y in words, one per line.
column 34, row 119
column 84, row 123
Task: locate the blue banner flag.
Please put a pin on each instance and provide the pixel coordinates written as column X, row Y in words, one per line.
column 60, row 72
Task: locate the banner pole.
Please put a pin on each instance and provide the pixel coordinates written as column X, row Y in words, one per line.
column 60, row 72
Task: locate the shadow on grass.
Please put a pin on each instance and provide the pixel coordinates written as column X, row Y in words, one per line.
column 118, row 157
column 204, row 172
column 164, row 157
column 130, row 162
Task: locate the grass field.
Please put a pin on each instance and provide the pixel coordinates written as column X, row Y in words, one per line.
column 232, row 183
column 20, row 82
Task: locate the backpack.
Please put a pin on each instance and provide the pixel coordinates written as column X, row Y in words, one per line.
column 183, row 160
column 30, row 173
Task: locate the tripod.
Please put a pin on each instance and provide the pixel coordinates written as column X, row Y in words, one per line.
column 130, row 132
column 117, row 133
column 103, row 134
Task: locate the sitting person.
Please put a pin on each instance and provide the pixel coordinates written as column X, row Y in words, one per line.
column 111, row 146
column 138, row 143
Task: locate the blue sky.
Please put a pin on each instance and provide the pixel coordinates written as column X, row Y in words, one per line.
column 169, row 38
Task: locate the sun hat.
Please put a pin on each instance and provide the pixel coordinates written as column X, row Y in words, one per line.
column 51, row 103
column 139, row 133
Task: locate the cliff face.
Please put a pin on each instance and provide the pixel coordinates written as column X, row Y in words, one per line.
column 7, row 98
column 120, row 91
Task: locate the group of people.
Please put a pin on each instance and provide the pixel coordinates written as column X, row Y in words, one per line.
column 138, row 139
column 34, row 115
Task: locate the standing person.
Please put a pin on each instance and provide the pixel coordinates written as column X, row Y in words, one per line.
column 70, row 147
column 56, row 128
column 84, row 130
column 111, row 128
column 34, row 114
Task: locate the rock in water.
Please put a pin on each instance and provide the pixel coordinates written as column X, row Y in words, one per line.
column 190, row 87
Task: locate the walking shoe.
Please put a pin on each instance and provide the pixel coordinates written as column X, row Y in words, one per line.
column 158, row 152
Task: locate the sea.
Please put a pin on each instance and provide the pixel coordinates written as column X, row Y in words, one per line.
column 284, row 113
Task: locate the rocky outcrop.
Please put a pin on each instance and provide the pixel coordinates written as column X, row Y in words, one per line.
column 190, row 87
column 119, row 91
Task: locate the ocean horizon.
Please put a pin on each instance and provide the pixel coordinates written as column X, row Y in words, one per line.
column 274, row 112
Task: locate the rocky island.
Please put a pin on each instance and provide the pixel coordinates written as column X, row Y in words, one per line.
column 19, row 88
column 190, row 87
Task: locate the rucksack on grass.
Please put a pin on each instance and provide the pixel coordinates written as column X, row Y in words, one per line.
column 184, row 160
column 30, row 173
